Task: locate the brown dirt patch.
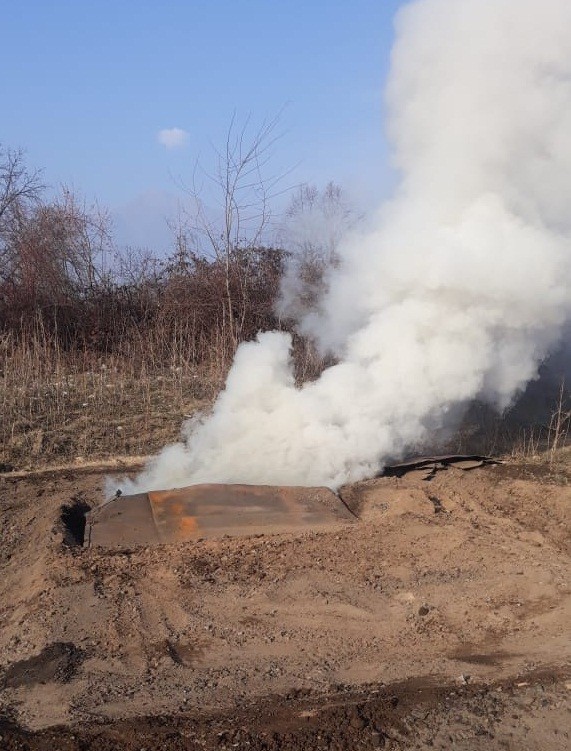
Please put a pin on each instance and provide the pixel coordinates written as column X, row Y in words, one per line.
column 463, row 575
column 56, row 662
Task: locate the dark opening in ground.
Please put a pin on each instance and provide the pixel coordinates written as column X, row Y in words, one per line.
column 56, row 662
column 73, row 521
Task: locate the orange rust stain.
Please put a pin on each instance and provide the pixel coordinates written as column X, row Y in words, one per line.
column 158, row 496
column 188, row 525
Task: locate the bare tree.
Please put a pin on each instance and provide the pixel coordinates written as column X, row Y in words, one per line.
column 85, row 249
column 233, row 226
column 20, row 191
column 315, row 222
column 56, row 251
column 18, row 185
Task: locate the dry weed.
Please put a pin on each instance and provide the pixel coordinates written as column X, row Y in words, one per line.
column 58, row 406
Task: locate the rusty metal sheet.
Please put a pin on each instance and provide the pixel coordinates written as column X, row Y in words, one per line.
column 211, row 511
column 434, row 463
column 126, row 520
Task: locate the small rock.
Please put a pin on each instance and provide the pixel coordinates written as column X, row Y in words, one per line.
column 423, row 610
column 357, row 723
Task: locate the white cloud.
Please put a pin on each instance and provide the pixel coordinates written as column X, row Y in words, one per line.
column 172, row 138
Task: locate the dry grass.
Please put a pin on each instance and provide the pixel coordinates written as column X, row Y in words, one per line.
column 57, row 406
column 536, row 429
column 547, row 443
column 63, row 406
column 60, row 406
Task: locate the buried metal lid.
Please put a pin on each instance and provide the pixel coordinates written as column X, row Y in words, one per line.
column 211, row 511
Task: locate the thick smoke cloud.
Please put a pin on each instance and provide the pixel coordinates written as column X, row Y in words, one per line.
column 459, row 291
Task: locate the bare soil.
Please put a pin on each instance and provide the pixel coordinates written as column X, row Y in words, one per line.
column 439, row 619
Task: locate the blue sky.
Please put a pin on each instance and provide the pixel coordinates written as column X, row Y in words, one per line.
column 88, row 86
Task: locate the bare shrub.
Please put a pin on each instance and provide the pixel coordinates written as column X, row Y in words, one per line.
column 242, row 188
column 559, row 424
column 315, row 223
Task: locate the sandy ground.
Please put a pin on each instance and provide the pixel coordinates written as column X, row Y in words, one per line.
column 439, row 618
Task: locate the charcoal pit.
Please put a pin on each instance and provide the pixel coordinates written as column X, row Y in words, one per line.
column 212, row 511
column 73, row 519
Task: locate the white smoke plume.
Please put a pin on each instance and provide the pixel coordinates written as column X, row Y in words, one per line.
column 462, row 288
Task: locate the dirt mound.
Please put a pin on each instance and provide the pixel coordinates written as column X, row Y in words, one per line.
column 459, row 574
